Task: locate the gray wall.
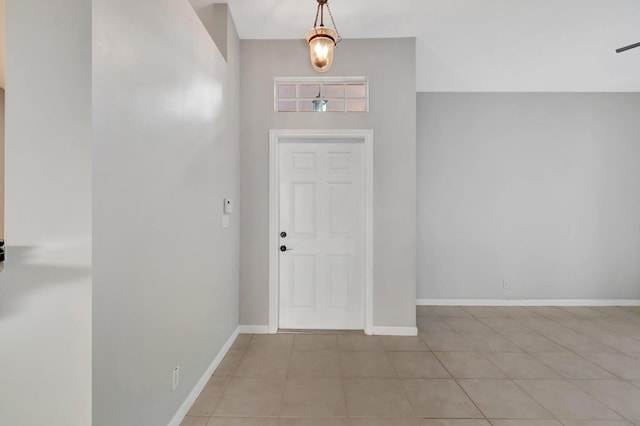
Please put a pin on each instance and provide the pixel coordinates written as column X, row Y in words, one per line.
column 2, row 113
column 539, row 189
column 389, row 64
column 45, row 288
column 166, row 154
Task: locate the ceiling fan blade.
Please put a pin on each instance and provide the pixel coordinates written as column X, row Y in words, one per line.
column 631, row 46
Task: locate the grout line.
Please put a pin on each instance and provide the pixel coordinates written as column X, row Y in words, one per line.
column 229, row 378
column 398, row 380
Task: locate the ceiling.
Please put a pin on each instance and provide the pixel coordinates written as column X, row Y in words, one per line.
column 478, row 45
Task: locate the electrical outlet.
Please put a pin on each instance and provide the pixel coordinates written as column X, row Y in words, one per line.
column 175, row 377
column 506, row 285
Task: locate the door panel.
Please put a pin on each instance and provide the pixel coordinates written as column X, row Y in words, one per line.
column 340, row 209
column 304, row 277
column 340, row 281
column 322, row 212
column 303, row 209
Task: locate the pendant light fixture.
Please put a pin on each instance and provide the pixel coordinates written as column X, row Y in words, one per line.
column 322, row 40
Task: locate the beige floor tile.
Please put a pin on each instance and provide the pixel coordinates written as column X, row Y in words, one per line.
column 208, row 398
column 425, row 312
column 469, row 365
column 269, row 342
column 484, row 312
column 619, row 364
column 620, row 396
column 584, row 312
column 315, row 342
column 468, row 325
column 431, row 325
column 313, row 397
column 524, row 422
column 586, row 327
column 440, row 399
column 551, row 312
column 516, row 311
column 194, row 421
column 565, row 400
column 454, row 422
column 284, row 421
column 521, row 366
column 314, row 364
column 615, row 311
column 365, row 364
column 383, row 422
column 533, row 342
column 491, row 342
column 450, row 311
column 539, row 323
column 376, row 397
column 503, row 399
column 242, row 341
column 417, row 365
column 447, row 342
column 572, row 366
column 402, row 343
column 357, row 342
column 588, row 345
column 621, row 343
column 265, row 363
column 251, row 396
column 229, row 363
column 505, row 325
column 240, row 421
column 596, row 423
column 576, row 342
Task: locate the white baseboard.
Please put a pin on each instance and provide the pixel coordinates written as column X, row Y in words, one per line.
column 254, row 329
column 193, row 395
column 395, row 331
column 528, row 302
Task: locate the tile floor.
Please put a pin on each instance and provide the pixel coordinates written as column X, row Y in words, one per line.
column 470, row 366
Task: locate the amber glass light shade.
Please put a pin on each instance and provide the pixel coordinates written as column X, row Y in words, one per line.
column 322, row 42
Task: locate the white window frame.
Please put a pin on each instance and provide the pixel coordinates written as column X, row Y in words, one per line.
column 319, row 81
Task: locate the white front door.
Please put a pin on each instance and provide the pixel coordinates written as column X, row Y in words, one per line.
column 322, row 229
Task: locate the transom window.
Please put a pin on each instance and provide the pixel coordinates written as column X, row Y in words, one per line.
column 321, row 94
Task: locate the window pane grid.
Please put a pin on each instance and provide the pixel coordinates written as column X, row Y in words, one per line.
column 311, row 95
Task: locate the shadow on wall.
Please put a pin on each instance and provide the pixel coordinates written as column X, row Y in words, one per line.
column 22, row 277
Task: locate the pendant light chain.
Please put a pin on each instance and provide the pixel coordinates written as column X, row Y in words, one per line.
column 315, row 23
column 335, row 27
column 333, row 21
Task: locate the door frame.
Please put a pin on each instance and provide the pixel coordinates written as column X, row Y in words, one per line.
column 276, row 136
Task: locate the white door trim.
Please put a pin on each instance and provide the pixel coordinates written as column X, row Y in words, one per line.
column 275, row 137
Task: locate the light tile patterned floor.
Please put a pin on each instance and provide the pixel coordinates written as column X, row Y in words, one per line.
column 470, row 366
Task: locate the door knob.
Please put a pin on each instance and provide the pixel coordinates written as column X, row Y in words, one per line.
column 284, row 248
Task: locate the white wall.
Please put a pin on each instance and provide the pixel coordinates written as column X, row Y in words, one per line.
column 45, row 289
column 542, row 190
column 166, row 154
column 392, row 116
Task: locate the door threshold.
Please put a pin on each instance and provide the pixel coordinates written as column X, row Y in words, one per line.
column 312, row 331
